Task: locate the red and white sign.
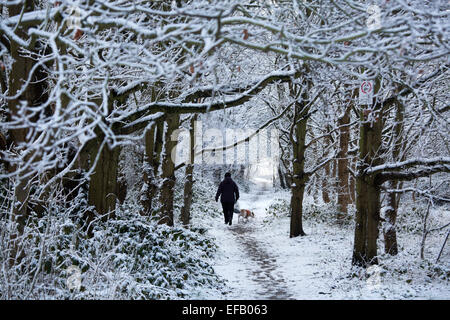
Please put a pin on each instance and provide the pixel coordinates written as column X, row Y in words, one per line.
column 366, row 92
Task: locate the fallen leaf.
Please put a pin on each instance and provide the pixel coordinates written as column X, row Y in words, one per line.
column 78, row 34
column 246, row 35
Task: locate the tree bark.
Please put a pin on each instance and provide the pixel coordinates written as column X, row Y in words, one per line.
column 104, row 186
column 35, row 94
column 149, row 187
column 281, row 177
column 297, row 211
column 168, row 172
column 188, row 185
column 390, row 233
column 327, row 171
column 367, row 188
column 343, row 197
column 352, row 184
column 158, row 146
column 298, row 174
column 325, row 185
column 103, row 182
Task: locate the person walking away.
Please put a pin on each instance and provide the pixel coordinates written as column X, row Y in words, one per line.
column 229, row 194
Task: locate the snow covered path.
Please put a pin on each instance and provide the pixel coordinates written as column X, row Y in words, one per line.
column 259, row 261
column 264, row 271
column 248, row 265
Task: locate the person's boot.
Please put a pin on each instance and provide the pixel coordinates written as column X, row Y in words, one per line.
column 230, row 222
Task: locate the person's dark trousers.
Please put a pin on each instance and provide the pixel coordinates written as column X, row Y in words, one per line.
column 228, row 209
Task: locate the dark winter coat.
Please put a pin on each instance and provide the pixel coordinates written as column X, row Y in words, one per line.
column 228, row 190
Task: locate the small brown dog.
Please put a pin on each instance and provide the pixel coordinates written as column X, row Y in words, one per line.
column 245, row 214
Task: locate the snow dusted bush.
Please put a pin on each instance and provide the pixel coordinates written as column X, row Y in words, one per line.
column 411, row 216
column 157, row 261
column 278, row 209
column 312, row 211
column 129, row 257
column 325, row 212
column 203, row 199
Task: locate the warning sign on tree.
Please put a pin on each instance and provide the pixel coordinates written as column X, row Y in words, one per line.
column 366, row 92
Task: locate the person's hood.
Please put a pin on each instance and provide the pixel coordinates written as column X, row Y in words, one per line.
column 228, row 180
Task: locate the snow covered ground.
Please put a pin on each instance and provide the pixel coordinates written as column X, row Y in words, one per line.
column 258, row 260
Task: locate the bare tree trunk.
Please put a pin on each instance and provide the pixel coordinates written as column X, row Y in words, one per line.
column 443, row 246
column 298, row 179
column 325, row 185
column 188, row 185
column 34, row 94
column 168, row 172
column 148, row 189
column 153, row 149
column 297, row 211
column 367, row 189
column 281, row 177
column 104, row 187
column 424, row 231
column 352, row 183
column 334, row 175
column 359, row 245
column 367, row 219
column 373, row 223
column 390, row 234
column 103, row 182
column 159, row 142
column 21, row 67
column 343, row 197
column 325, row 181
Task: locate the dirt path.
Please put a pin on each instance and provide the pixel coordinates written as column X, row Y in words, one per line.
column 259, row 261
column 264, row 272
column 263, row 267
